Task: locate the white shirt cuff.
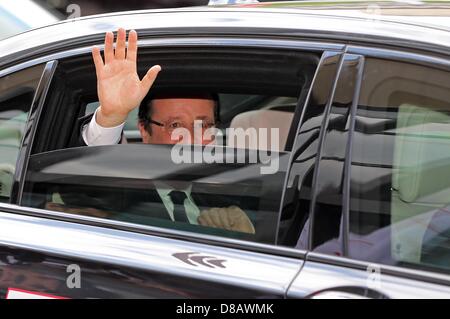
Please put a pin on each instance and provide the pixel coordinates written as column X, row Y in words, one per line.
column 96, row 135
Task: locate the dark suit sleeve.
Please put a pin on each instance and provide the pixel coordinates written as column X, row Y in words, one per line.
column 76, row 139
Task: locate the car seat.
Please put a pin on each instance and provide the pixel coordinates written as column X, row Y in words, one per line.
column 421, row 177
column 262, row 119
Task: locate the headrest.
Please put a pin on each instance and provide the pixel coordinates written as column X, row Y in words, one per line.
column 421, row 168
column 260, row 120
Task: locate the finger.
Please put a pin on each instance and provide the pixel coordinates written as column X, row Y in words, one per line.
column 109, row 47
column 201, row 218
column 236, row 213
column 225, row 220
column 120, row 46
column 241, row 222
column 150, row 78
column 216, row 219
column 98, row 61
column 132, row 46
column 201, row 221
column 208, row 221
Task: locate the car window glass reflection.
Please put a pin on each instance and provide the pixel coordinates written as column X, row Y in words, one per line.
column 16, row 95
column 400, row 182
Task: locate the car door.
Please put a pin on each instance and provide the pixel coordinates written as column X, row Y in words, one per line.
column 68, row 254
column 379, row 218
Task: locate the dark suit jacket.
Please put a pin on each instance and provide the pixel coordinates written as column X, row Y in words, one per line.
column 76, row 139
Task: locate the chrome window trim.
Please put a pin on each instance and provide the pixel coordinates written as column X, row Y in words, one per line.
column 348, row 154
column 178, row 42
column 321, row 140
column 408, row 273
column 400, row 55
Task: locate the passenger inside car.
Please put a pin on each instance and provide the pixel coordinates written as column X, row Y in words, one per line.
column 119, row 91
column 237, row 90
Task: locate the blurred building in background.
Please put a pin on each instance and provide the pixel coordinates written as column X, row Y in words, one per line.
column 90, row 7
column 18, row 16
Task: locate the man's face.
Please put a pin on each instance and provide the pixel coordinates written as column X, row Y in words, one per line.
column 176, row 113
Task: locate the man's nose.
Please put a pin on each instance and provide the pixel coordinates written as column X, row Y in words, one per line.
column 188, row 139
column 196, row 137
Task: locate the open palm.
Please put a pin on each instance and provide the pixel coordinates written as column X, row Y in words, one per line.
column 119, row 88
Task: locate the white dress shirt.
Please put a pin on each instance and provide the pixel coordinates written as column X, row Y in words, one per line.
column 96, row 135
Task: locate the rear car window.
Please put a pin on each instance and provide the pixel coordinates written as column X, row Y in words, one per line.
column 16, row 95
column 400, row 167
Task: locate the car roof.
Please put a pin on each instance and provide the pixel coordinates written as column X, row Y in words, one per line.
column 433, row 14
column 332, row 24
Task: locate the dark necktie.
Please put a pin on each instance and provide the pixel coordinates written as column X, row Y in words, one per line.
column 179, row 213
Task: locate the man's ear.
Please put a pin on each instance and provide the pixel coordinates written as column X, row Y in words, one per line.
column 145, row 135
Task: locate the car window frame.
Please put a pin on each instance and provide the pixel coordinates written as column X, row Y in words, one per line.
column 49, row 68
column 305, row 46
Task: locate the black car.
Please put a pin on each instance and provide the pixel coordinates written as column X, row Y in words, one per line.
column 357, row 207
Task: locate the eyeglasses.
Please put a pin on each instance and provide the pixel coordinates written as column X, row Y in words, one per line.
column 172, row 125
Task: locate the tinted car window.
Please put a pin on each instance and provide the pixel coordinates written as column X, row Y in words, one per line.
column 400, row 167
column 93, row 181
column 16, row 95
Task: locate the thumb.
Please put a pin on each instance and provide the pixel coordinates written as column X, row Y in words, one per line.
column 149, row 78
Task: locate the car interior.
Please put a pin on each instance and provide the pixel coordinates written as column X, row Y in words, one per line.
column 400, row 170
column 257, row 88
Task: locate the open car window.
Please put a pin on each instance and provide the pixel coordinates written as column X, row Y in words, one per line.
column 233, row 191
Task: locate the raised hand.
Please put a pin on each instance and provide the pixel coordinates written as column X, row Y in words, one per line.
column 119, row 88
